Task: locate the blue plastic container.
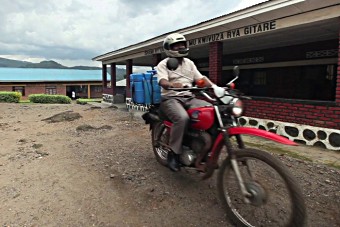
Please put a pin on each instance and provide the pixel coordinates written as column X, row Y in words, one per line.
column 156, row 94
column 144, row 88
column 153, row 72
column 147, row 87
column 137, row 88
column 156, row 89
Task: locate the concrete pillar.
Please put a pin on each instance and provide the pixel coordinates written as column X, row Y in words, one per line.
column 128, row 72
column 113, row 78
column 215, row 61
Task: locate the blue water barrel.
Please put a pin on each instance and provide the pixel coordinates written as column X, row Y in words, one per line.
column 156, row 98
column 137, row 88
column 147, row 87
column 153, row 72
column 156, row 89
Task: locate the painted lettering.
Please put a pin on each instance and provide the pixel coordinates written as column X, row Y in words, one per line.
column 192, row 42
column 233, row 33
column 272, row 25
column 148, row 52
column 257, row 28
column 247, row 30
column 206, row 39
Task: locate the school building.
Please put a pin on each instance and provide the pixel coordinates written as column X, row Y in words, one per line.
column 85, row 83
column 289, row 55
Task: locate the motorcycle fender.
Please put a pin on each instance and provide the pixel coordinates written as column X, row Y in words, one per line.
column 261, row 133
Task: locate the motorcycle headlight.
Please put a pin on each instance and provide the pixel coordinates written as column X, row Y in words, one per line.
column 236, row 107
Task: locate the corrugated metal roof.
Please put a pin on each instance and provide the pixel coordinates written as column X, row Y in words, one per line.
column 41, row 75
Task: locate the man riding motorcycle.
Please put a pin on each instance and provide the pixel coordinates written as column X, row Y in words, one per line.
column 173, row 102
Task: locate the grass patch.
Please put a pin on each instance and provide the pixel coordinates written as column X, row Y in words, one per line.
column 279, row 151
column 25, row 101
column 282, row 151
column 83, row 101
column 333, row 164
column 96, row 100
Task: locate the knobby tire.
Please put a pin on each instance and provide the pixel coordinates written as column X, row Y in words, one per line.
column 298, row 211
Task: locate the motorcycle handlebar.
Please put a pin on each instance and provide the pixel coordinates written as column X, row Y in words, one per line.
column 202, row 90
column 189, row 89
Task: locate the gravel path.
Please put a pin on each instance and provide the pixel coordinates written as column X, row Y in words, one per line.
column 98, row 169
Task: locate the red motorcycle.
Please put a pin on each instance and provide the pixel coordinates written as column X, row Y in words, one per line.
column 255, row 188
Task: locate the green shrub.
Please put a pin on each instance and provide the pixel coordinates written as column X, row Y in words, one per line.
column 10, row 96
column 43, row 98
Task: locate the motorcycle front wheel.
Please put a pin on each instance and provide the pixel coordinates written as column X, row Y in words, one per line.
column 160, row 135
column 274, row 196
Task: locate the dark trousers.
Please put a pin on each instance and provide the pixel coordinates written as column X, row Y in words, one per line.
column 173, row 109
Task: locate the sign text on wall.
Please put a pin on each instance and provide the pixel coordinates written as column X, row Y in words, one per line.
column 154, row 51
column 322, row 53
column 234, row 33
column 230, row 34
column 248, row 60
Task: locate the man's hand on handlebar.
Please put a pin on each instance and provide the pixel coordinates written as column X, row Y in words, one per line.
column 175, row 85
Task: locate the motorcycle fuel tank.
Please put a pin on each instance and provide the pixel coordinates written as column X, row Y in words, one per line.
column 201, row 118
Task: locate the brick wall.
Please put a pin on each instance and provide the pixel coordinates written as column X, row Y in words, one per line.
column 113, row 78
column 129, row 65
column 6, row 88
column 61, row 89
column 41, row 89
column 215, row 61
column 36, row 89
column 337, row 93
column 325, row 116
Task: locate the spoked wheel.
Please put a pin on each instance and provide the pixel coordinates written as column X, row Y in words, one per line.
column 274, row 197
column 160, row 134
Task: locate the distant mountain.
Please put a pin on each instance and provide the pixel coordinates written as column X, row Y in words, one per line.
column 8, row 63
column 45, row 65
column 4, row 62
column 12, row 63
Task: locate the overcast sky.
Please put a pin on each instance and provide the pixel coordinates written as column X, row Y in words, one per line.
column 72, row 32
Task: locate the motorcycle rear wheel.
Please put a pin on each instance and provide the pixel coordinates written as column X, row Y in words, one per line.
column 161, row 152
column 275, row 197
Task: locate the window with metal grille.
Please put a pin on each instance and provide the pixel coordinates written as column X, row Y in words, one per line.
column 51, row 90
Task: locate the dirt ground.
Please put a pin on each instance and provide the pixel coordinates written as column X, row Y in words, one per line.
column 92, row 166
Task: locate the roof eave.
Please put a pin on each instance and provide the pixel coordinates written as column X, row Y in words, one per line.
column 228, row 18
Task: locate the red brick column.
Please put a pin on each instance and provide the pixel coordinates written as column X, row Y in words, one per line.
column 113, row 78
column 156, row 58
column 128, row 72
column 337, row 92
column 104, row 76
column 215, row 61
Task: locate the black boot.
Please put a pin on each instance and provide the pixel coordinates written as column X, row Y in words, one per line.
column 173, row 161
